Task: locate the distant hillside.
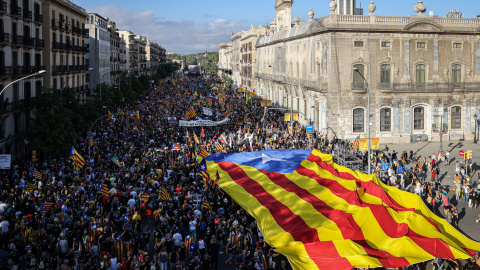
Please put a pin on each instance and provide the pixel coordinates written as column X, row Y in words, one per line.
column 194, row 59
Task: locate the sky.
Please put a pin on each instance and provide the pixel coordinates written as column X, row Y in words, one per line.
column 192, row 26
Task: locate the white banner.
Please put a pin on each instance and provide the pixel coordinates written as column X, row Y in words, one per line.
column 202, row 123
column 207, row 111
column 172, row 120
column 5, row 162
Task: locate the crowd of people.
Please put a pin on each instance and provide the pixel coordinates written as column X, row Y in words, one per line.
column 111, row 213
column 138, row 202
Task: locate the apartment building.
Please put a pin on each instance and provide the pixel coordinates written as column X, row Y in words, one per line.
column 65, row 48
column 155, row 57
column 117, row 54
column 99, row 53
column 21, row 45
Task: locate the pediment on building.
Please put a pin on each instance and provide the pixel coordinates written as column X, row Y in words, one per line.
column 424, row 26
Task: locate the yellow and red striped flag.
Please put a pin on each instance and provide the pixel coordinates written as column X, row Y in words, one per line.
column 102, row 188
column 203, row 153
column 206, row 205
column 78, row 160
column 195, row 138
column 30, row 187
column 46, row 207
column 325, row 216
column 191, row 112
column 37, row 174
column 165, row 195
column 143, row 197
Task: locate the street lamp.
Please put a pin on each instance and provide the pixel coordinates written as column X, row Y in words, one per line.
column 34, row 74
column 368, row 101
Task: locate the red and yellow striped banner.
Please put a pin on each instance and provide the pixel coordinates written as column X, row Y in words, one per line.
column 325, row 216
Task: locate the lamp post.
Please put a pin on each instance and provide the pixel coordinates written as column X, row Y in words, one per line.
column 26, row 77
column 65, row 83
column 368, row 101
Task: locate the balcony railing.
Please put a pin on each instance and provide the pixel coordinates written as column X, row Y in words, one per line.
column 85, row 32
column 3, row 7
column 17, row 40
column 38, row 18
column 62, row 25
column 27, row 15
column 19, row 71
column 430, row 86
column 4, row 39
column 29, row 42
column 359, row 86
column 34, row 69
column 5, row 71
column 39, row 43
column 16, row 11
column 6, row 107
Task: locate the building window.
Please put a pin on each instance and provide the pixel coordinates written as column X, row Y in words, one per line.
column 385, row 71
column 358, row 44
column 456, row 115
column 358, row 120
column 385, row 44
column 457, row 45
column 421, row 45
column 456, row 74
column 358, row 81
column 420, row 74
column 385, row 119
column 418, row 118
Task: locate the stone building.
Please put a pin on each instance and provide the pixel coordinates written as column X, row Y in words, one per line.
column 99, row 54
column 21, row 46
column 117, row 54
column 156, row 57
column 225, row 59
column 136, row 52
column 422, row 74
column 65, row 48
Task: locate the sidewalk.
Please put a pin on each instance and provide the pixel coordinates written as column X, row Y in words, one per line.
column 467, row 216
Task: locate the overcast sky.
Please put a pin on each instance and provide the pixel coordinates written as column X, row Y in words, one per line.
column 191, row 26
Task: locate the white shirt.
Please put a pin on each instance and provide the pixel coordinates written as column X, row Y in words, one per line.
column 193, row 225
column 113, row 263
column 4, row 225
column 177, row 239
column 131, row 203
column 201, row 244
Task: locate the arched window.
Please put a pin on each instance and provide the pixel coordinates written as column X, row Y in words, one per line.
column 358, row 120
column 418, row 118
column 456, row 115
column 385, row 119
column 358, row 81
column 456, row 74
column 420, row 74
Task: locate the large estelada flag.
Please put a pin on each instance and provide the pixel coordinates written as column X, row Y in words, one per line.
column 325, row 216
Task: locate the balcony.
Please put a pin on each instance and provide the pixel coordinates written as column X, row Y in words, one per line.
column 29, row 42
column 3, row 7
column 27, row 15
column 17, row 40
column 6, row 108
column 4, row 39
column 39, row 43
column 64, row 68
column 19, row 105
column 38, row 18
column 34, row 69
column 430, row 86
column 30, row 102
column 55, row 24
column 56, row 70
column 16, row 11
column 62, row 26
column 5, row 71
column 85, row 32
column 359, row 86
column 19, row 71
column 77, row 31
column 69, row 27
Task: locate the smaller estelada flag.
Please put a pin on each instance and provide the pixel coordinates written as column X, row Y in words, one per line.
column 38, row 175
column 30, row 187
column 46, row 207
column 218, row 146
column 175, row 147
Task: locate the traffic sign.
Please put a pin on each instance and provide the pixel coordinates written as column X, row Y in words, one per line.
column 309, row 128
column 461, row 153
